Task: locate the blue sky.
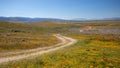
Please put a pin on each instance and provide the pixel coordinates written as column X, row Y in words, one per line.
column 65, row 9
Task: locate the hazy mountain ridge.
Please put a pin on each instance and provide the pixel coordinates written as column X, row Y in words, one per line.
column 27, row 19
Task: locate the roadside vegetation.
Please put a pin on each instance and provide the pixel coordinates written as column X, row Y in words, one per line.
column 91, row 51
column 19, row 36
column 22, row 41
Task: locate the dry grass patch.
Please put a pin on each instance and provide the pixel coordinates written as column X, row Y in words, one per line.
column 19, row 41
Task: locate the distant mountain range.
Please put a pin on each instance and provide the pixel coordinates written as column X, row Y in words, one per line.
column 80, row 19
column 27, row 19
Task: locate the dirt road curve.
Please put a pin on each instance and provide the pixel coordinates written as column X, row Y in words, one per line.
column 12, row 56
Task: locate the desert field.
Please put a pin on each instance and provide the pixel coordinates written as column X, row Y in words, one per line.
column 97, row 46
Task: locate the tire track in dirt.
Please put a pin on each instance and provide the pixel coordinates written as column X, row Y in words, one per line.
column 65, row 41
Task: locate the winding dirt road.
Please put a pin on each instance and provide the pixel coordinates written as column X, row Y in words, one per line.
column 12, row 56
